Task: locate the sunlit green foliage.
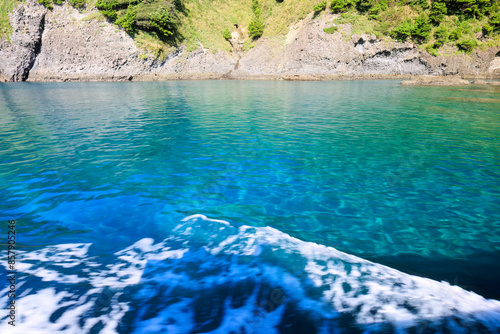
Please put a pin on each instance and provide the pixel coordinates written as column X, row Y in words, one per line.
column 441, row 36
column 339, row 6
column 418, row 30
column 430, row 23
column 319, row 7
column 127, row 20
column 255, row 28
column 438, row 12
column 226, row 34
column 464, row 24
column 467, row 45
column 5, row 7
column 494, row 22
column 331, row 30
column 77, row 3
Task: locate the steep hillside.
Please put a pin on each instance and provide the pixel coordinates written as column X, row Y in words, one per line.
column 440, row 26
column 293, row 39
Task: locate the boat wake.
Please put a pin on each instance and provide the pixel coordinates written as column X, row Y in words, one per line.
column 211, row 277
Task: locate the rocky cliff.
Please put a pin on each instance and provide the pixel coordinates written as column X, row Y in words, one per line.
column 62, row 44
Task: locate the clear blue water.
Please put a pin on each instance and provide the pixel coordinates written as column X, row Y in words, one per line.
column 99, row 177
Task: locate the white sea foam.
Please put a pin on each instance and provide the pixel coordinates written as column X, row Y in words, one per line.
column 210, row 276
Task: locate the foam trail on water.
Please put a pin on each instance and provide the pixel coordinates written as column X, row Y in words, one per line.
column 211, row 277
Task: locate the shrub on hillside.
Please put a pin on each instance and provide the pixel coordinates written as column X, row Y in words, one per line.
column 226, row 34
column 470, row 8
column 127, row 20
column 423, row 4
column 110, row 14
column 158, row 16
column 339, row 6
column 363, row 5
column 46, row 3
column 421, row 29
column 108, row 8
column 319, row 7
column 372, row 7
column 77, row 3
column 432, row 51
column 441, row 36
column 455, row 35
column 106, row 4
column 256, row 8
column 403, row 31
column 377, row 7
column 487, row 30
column 494, row 22
column 438, row 12
column 255, row 29
column 117, row 4
column 331, row 30
column 467, row 45
column 164, row 23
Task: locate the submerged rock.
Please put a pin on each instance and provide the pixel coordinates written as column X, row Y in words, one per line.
column 489, row 83
column 436, row 81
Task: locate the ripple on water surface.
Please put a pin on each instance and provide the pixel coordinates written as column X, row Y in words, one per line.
column 403, row 176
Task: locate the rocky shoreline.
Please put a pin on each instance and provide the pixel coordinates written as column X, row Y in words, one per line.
column 62, row 44
column 446, row 81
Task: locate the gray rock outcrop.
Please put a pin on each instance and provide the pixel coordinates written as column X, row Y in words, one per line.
column 76, row 49
column 18, row 56
column 309, row 51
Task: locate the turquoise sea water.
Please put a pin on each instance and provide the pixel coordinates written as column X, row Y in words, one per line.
column 296, row 182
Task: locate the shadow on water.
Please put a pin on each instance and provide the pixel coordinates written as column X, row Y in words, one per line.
column 479, row 272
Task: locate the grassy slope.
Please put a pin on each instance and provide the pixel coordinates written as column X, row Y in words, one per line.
column 206, row 20
column 397, row 14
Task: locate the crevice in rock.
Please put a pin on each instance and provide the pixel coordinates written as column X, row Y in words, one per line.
column 236, row 66
column 37, row 48
column 427, row 66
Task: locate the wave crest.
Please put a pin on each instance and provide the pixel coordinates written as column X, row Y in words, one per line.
column 211, row 276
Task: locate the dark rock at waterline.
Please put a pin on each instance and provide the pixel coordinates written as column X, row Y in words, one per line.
column 436, row 81
column 489, row 83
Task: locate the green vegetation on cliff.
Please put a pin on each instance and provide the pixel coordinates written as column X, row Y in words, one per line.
column 462, row 25
column 5, row 7
column 439, row 26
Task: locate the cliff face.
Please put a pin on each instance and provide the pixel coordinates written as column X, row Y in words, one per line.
column 60, row 45
column 309, row 51
column 18, row 56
